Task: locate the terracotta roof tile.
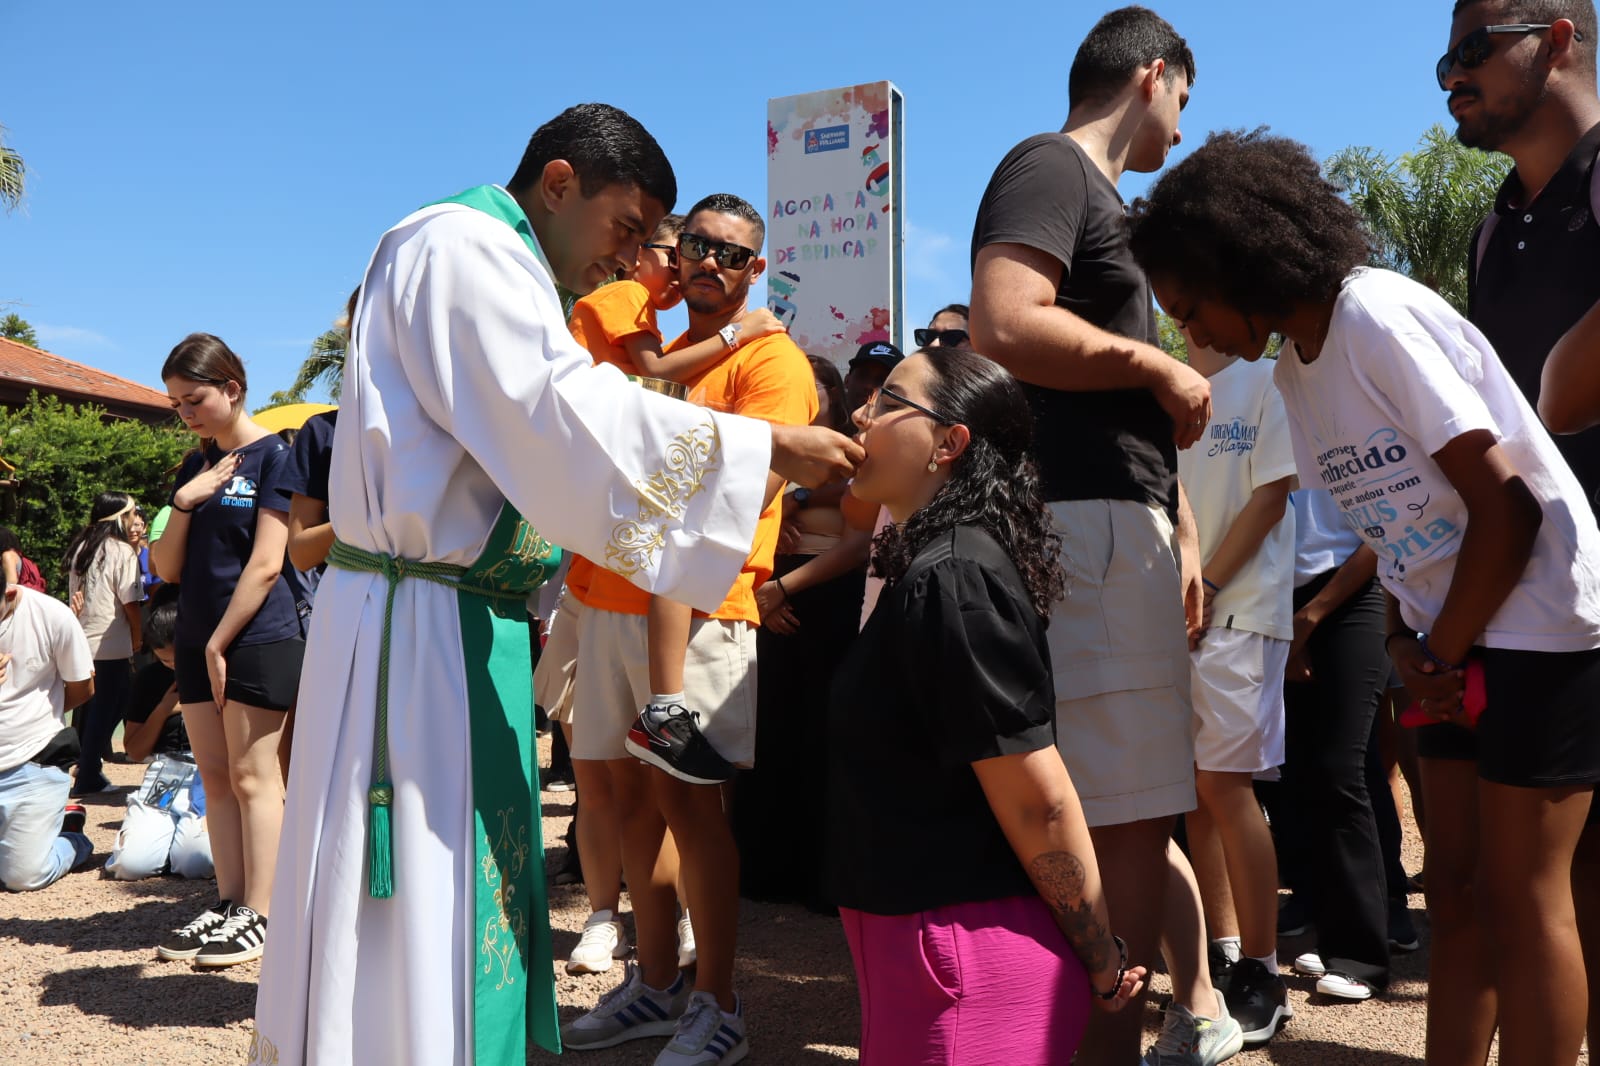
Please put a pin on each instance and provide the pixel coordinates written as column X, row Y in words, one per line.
column 32, row 368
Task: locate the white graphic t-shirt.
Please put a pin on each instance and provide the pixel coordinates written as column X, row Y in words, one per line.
column 1245, row 446
column 1401, row 375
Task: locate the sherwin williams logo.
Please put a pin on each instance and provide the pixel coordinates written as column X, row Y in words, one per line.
column 827, row 139
column 241, row 492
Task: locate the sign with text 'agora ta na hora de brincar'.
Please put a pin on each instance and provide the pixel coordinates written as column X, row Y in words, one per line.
column 834, row 230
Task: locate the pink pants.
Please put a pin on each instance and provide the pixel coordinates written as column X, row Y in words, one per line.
column 971, row 984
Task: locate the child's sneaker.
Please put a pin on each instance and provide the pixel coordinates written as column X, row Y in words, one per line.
column 628, row 1012
column 669, row 738
column 239, row 939
column 185, row 943
column 707, row 1035
column 601, row 942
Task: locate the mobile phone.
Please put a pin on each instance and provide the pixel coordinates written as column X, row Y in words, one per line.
column 1473, row 701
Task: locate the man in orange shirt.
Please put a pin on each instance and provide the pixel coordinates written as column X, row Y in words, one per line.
column 769, row 378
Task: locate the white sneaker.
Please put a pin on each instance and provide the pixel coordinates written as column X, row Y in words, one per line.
column 628, row 1012
column 686, row 950
column 707, row 1035
column 1309, row 965
column 600, row 943
column 1189, row 1040
column 1343, row 986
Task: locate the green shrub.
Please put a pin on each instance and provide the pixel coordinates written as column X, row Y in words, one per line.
column 65, row 456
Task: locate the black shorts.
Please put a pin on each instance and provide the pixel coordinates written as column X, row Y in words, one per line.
column 261, row 675
column 1541, row 722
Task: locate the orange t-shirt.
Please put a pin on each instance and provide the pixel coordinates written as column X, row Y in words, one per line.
column 602, row 320
column 768, row 379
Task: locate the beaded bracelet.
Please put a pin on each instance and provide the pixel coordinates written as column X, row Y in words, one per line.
column 1122, row 970
column 1427, row 653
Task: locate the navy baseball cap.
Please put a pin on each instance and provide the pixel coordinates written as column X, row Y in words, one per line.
column 881, row 352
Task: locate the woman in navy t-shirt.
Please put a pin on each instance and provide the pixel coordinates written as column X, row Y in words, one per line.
column 238, row 643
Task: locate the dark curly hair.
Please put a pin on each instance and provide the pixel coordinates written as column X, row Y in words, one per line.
column 994, row 484
column 1248, row 219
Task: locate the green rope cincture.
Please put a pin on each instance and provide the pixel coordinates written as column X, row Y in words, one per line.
column 380, row 795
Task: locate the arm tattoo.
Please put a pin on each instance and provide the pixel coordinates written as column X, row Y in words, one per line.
column 1060, row 879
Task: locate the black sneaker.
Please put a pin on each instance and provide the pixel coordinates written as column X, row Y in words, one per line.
column 185, row 943
column 669, row 739
column 239, row 939
column 1258, row 1000
column 74, row 818
column 1402, row 931
column 1221, row 967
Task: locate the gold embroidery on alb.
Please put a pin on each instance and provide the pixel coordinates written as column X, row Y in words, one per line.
column 664, row 496
column 263, row 1052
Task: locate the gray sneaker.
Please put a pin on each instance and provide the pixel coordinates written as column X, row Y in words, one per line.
column 630, row 1011
column 1189, row 1040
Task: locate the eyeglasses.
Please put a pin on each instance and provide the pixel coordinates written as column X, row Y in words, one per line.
column 943, row 338
column 670, row 249
column 883, row 392
column 1474, row 50
column 695, row 248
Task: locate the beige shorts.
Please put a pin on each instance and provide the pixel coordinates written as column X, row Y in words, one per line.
column 1237, row 686
column 1120, row 652
column 558, row 662
column 613, row 684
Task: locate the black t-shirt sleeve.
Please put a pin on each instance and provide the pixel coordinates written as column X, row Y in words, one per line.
column 275, row 470
column 981, row 680
column 309, row 461
column 1038, row 197
column 149, row 688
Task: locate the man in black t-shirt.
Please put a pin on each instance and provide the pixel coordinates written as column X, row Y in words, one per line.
column 1058, row 299
column 1534, row 272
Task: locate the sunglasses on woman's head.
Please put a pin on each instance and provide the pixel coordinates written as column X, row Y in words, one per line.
column 1474, row 50
column 946, row 338
column 694, row 248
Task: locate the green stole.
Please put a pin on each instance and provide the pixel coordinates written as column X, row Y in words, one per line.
column 513, row 996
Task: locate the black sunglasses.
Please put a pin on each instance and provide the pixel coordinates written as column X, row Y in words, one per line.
column 695, row 248
column 1474, row 50
column 670, row 249
column 882, row 392
column 945, row 338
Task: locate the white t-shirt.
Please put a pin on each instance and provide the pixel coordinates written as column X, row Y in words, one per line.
column 47, row 650
column 1245, row 446
column 1323, row 541
column 112, row 580
column 1401, row 375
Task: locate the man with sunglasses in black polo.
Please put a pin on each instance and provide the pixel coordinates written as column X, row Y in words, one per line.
column 1521, row 79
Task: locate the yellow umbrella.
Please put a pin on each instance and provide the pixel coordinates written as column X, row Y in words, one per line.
column 290, row 415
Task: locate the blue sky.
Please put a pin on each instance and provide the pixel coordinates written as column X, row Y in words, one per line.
column 229, row 168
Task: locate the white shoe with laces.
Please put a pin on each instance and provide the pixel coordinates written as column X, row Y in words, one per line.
column 630, row 1011
column 1190, row 1040
column 686, row 949
column 1343, row 986
column 707, row 1035
column 1309, row 965
column 601, row 942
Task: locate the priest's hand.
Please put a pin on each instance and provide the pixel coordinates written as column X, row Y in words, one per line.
column 813, row 455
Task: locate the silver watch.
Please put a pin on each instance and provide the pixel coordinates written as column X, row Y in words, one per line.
column 730, row 335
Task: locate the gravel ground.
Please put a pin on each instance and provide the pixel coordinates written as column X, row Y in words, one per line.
column 80, row 983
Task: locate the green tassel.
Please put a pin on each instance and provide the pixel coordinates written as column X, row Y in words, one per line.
column 380, row 846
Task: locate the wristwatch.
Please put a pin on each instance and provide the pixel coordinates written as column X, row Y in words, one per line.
column 802, row 496
column 730, row 335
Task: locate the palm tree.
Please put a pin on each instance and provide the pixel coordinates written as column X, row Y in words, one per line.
column 14, row 327
column 1424, row 207
column 325, row 362
column 12, row 172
